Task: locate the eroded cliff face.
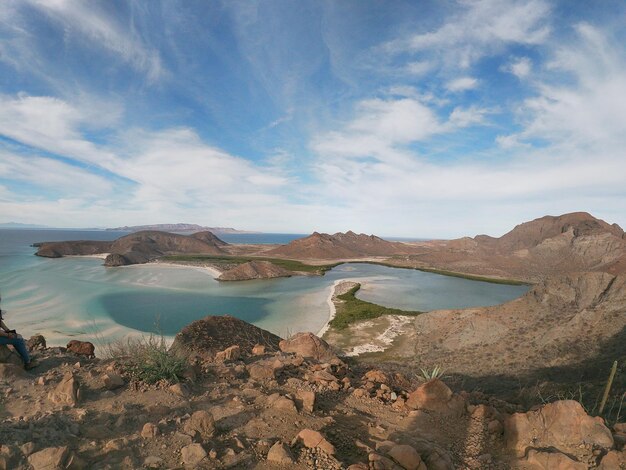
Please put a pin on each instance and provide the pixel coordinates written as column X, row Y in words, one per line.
column 562, row 321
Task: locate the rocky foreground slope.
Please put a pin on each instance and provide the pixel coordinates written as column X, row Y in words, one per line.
column 298, row 406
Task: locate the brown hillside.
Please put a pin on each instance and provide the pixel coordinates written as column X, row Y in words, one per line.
column 532, row 250
column 79, row 247
column 254, row 270
column 338, row 246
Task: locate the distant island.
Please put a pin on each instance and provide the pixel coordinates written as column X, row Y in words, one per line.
column 19, row 225
column 178, row 228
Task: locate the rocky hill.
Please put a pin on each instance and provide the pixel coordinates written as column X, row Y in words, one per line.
column 137, row 248
column 338, row 246
column 254, row 270
column 297, row 406
column 533, row 250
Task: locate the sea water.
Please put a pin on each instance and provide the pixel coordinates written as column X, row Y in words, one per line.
column 77, row 297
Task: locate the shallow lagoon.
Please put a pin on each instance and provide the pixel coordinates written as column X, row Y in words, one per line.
column 79, row 297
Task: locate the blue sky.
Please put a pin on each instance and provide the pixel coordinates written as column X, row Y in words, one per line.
column 406, row 118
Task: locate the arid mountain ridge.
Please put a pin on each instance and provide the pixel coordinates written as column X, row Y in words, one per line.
column 178, row 228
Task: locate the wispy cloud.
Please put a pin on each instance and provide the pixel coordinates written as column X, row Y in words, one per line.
column 462, row 84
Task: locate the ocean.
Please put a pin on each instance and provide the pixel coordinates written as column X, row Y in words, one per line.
column 79, row 298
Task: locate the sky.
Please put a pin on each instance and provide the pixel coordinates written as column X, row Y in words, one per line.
column 400, row 118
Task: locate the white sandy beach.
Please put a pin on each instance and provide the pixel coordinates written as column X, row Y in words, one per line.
column 331, row 307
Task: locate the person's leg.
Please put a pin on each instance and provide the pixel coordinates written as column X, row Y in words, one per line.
column 19, row 345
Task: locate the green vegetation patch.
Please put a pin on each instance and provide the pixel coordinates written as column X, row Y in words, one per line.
column 228, row 262
column 353, row 310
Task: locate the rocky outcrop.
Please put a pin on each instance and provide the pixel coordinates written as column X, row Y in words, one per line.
column 9, row 356
column 562, row 425
column 254, row 270
column 434, row 395
column 308, row 345
column 81, row 348
column 205, row 338
column 339, row 246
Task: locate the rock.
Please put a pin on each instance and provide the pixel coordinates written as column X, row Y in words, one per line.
column 193, row 454
column 152, row 461
column 51, row 458
column 406, row 456
column 204, row 338
column 613, row 460
column 434, row 395
column 284, row 404
column 553, row 461
column 179, row 389
column 358, row 466
column 36, row 343
column 261, row 371
column 12, row 371
column 9, row 356
column 620, row 427
column 28, row 448
column 562, row 424
column 81, row 348
column 112, row 380
column 67, row 392
column 323, row 376
column 380, row 462
column 308, row 345
column 312, row 439
column 307, row 399
column 150, row 431
column 280, row 454
column 376, row 376
column 258, row 350
column 229, row 354
column 201, row 422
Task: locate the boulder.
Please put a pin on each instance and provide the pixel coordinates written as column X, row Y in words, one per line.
column 12, row 371
column 435, row 395
column 201, row 422
column 67, row 392
column 112, row 380
column 307, row 400
column 193, row 454
column 284, row 404
column 280, row 454
column 229, row 354
column 81, row 348
column 261, row 371
column 258, row 350
column 613, row 460
column 9, row 356
column 150, row 430
column 51, row 458
column 407, row 457
column 179, row 389
column 308, row 345
column 540, row 460
column 562, row 425
column 206, row 337
column 312, row 439
column 36, row 343
column 376, row 376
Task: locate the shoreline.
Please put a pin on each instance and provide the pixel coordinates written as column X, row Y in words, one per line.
column 331, row 307
column 213, row 272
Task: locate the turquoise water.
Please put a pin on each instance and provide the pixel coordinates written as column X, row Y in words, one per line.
column 78, row 297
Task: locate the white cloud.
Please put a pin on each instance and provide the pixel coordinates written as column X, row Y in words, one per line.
column 462, row 84
column 95, row 25
column 520, row 67
column 588, row 108
column 481, row 27
column 418, row 68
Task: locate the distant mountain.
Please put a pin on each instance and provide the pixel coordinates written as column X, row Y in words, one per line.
column 339, row 246
column 178, row 228
column 20, row 225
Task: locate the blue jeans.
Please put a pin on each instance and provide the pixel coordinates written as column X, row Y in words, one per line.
column 20, row 346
